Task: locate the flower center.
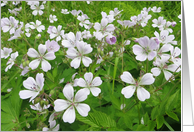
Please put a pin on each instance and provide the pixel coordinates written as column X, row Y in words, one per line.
column 35, row 87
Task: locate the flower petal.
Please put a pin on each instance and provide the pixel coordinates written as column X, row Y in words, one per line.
column 45, row 65
column 95, row 91
column 156, row 71
column 127, row 77
column 61, row 105
column 96, row 81
column 42, row 49
column 128, row 91
column 81, row 82
column 40, row 80
column 83, row 109
column 147, row 79
column 29, row 83
column 68, row 92
column 50, row 56
column 25, row 94
column 75, row 63
column 86, row 61
column 142, row 94
column 88, row 77
column 81, row 95
column 34, row 64
column 69, row 115
column 32, row 53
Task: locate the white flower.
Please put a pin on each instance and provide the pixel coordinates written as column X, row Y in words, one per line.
column 90, row 84
column 40, row 57
column 37, row 26
column 76, row 13
column 52, row 18
column 25, row 70
column 4, row 3
column 64, row 11
column 71, row 103
column 57, row 32
column 32, row 2
column 115, row 12
column 34, row 87
column 83, row 21
column 17, row 33
column 9, row 24
column 52, row 46
column 162, row 66
column 86, row 34
column 155, row 9
column 164, row 38
column 142, row 93
column 71, row 39
column 110, row 18
column 175, row 52
column 159, row 22
column 9, row 89
column 37, row 9
column 77, row 56
column 166, row 27
column 146, row 49
column 52, row 126
column 11, row 61
column 5, row 52
column 122, row 106
column 126, row 23
column 38, row 106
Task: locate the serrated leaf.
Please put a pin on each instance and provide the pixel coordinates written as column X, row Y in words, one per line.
column 159, row 121
column 49, row 75
column 172, row 101
column 146, row 118
column 151, row 125
column 55, row 72
column 172, row 115
column 154, row 113
column 87, row 120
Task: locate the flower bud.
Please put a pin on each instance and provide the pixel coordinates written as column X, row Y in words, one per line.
column 173, row 24
column 46, row 102
column 38, row 36
column 101, row 53
column 99, row 50
column 42, row 91
column 52, row 92
column 24, row 64
column 27, row 62
column 27, row 125
column 37, row 100
column 42, row 103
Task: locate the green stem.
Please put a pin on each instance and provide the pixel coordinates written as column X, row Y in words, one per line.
column 147, row 67
column 138, row 112
column 169, row 127
column 114, row 73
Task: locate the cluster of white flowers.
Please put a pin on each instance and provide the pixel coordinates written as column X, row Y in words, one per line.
column 80, row 52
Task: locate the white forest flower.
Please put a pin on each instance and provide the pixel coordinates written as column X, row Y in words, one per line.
column 9, row 24
column 110, row 18
column 32, row 2
column 15, row 11
column 126, row 23
column 71, row 39
column 64, row 11
column 37, row 26
column 162, row 66
column 9, row 89
column 86, row 34
column 52, row 18
column 40, row 58
column 79, row 55
column 5, row 52
column 155, row 9
column 90, row 84
column 25, row 70
column 83, row 21
column 17, row 33
column 56, row 33
column 72, row 103
column 76, row 13
column 11, row 61
column 146, row 49
column 38, row 107
column 37, row 9
column 122, row 106
column 52, row 126
column 3, row 3
column 115, row 12
column 34, row 87
column 166, row 27
column 142, row 93
column 159, row 22
column 164, row 38
column 52, row 46
column 175, row 52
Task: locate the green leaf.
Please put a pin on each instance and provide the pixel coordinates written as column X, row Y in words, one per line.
column 87, row 120
column 172, row 101
column 146, row 118
column 151, row 125
column 172, row 115
column 141, row 127
column 160, row 121
column 49, row 75
column 154, row 113
column 55, row 72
